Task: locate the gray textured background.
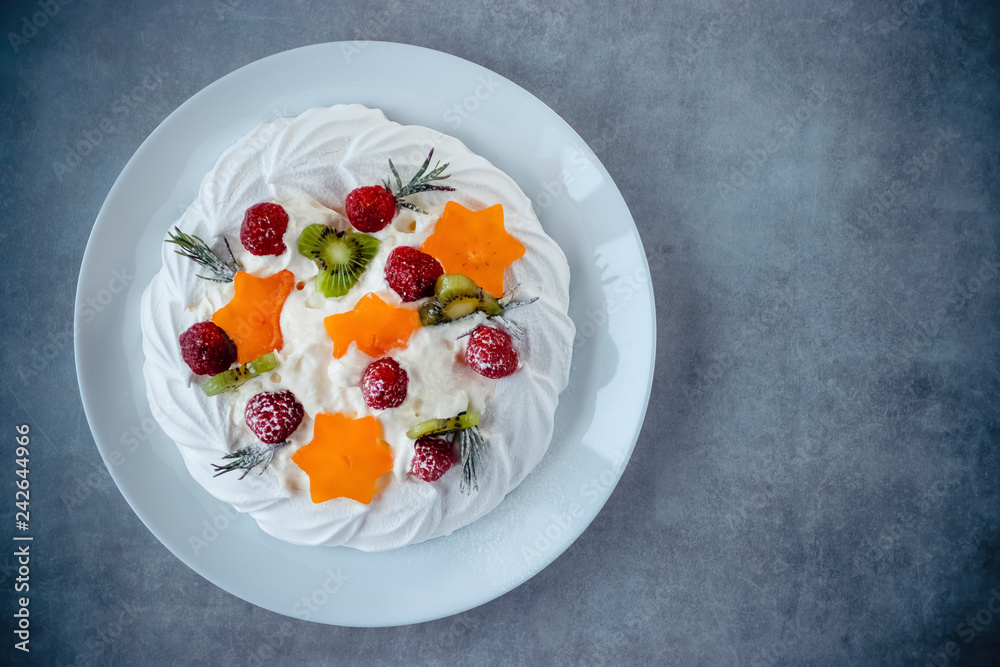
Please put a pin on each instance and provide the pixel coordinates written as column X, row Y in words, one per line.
column 816, row 186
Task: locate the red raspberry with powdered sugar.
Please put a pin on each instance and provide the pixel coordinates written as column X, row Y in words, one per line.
column 263, row 227
column 412, row 273
column 206, row 348
column 432, row 457
column 491, row 352
column 370, row 208
column 384, row 384
column 273, row 415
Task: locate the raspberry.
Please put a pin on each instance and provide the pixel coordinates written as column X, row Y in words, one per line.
column 491, row 353
column 207, row 349
column 411, row 273
column 263, row 226
column 432, row 457
column 273, row 415
column 384, row 384
column 370, row 208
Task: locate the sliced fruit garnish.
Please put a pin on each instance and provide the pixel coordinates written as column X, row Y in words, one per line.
column 252, row 318
column 345, row 458
column 457, row 296
column 341, row 257
column 474, row 244
column 375, row 326
column 459, row 422
column 235, row 378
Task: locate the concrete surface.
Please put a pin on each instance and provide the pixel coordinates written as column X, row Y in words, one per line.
column 816, row 185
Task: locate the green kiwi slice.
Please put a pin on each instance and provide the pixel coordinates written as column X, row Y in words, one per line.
column 459, row 422
column 430, row 313
column 455, row 285
column 341, row 257
column 457, row 296
column 236, row 377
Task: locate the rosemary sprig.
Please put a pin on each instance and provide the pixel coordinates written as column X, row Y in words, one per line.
column 471, row 443
column 248, row 458
column 507, row 302
column 507, row 298
column 512, row 327
column 420, row 182
column 198, row 251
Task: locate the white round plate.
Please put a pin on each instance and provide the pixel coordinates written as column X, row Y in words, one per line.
column 599, row 415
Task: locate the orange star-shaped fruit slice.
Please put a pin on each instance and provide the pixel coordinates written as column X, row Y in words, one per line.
column 375, row 326
column 475, row 244
column 252, row 318
column 345, row 458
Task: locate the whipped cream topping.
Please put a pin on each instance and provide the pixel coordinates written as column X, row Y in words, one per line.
column 308, row 165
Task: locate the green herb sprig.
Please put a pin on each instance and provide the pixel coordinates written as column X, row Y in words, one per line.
column 196, row 250
column 421, row 182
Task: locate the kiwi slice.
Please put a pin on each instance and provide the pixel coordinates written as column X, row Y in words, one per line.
column 341, row 257
column 236, row 377
column 459, row 422
column 457, row 296
column 430, row 313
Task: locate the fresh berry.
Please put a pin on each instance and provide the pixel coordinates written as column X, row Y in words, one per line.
column 207, row 349
column 273, row 415
column 411, row 273
column 263, row 226
column 432, row 457
column 384, row 384
column 370, row 208
column 491, row 353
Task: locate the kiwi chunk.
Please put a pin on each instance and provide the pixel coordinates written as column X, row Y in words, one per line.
column 490, row 305
column 457, row 296
column 451, row 286
column 459, row 422
column 430, row 313
column 236, row 377
column 459, row 307
column 341, row 257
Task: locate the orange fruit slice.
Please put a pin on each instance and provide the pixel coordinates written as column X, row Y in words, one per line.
column 252, row 318
column 475, row 244
column 345, row 458
column 375, row 326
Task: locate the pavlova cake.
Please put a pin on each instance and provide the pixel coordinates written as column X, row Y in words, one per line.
column 359, row 333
